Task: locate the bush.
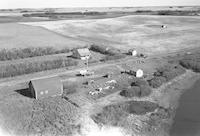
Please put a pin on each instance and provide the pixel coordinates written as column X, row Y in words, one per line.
column 165, row 74
column 115, row 114
column 176, row 12
column 104, row 49
column 111, row 115
column 21, row 53
column 141, row 107
column 139, row 88
column 157, row 81
column 136, row 91
column 131, row 92
column 139, row 82
column 11, row 70
column 114, row 57
column 143, row 11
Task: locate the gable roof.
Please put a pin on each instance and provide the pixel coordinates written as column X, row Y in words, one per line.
column 47, row 86
column 84, row 52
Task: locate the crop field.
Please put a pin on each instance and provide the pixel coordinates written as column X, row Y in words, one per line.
column 142, row 32
column 13, row 35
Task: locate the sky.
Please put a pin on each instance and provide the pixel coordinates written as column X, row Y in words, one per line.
column 5, row 4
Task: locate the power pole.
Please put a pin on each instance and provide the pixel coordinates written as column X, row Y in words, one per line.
column 87, row 58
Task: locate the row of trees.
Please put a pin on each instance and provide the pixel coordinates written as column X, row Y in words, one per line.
column 110, row 52
column 11, row 70
column 104, row 49
column 20, row 53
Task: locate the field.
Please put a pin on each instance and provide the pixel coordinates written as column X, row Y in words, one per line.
column 90, row 103
column 141, row 32
column 13, row 35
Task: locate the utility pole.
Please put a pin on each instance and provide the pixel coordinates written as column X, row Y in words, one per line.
column 87, row 58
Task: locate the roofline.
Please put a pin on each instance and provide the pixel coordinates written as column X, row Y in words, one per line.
column 44, row 77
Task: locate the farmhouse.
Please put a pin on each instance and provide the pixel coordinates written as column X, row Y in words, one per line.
column 45, row 87
column 83, row 53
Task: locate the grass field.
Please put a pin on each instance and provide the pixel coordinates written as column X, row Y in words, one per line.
column 142, row 32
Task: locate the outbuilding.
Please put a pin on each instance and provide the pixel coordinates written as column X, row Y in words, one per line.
column 163, row 26
column 132, row 52
column 45, row 87
column 83, row 53
column 139, row 73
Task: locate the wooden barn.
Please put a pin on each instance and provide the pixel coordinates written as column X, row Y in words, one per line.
column 45, row 87
column 83, row 53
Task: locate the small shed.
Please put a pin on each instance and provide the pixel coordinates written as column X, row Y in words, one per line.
column 132, row 52
column 139, row 73
column 83, row 53
column 163, row 26
column 45, row 87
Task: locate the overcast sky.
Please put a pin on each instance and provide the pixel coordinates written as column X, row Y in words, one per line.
column 92, row 3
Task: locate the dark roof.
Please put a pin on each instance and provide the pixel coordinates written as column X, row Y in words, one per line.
column 47, row 86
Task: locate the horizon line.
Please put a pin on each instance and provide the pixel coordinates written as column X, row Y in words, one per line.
column 101, row 7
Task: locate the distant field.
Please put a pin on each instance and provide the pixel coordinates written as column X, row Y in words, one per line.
column 13, row 35
column 142, row 32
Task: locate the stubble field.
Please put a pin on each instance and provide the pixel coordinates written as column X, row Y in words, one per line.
column 141, row 32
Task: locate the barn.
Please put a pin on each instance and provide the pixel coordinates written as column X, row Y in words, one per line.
column 83, row 53
column 45, row 87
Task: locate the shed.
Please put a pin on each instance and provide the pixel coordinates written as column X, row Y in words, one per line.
column 163, row 26
column 45, row 87
column 139, row 73
column 132, row 52
column 83, row 53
